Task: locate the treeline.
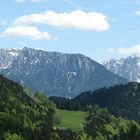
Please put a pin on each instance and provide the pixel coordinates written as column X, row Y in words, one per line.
column 119, row 121
column 120, row 100
column 25, row 117
column 101, row 125
column 65, row 103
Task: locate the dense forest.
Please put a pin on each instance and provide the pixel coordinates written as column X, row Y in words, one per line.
column 27, row 117
column 66, row 103
column 121, row 100
column 24, row 116
column 101, row 125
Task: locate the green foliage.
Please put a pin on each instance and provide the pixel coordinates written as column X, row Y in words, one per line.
column 44, row 100
column 8, row 136
column 27, row 117
column 67, row 134
column 121, row 100
column 65, row 103
column 57, row 118
column 23, row 115
column 101, row 125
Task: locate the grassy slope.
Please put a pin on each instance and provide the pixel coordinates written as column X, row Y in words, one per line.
column 71, row 119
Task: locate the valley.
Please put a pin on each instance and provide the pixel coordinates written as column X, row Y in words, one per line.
column 69, row 70
column 25, row 116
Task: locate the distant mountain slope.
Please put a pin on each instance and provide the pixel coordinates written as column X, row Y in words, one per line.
column 56, row 73
column 126, row 67
column 120, row 100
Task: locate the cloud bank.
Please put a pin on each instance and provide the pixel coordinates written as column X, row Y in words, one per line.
column 77, row 19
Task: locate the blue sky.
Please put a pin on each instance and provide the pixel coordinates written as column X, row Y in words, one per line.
column 100, row 29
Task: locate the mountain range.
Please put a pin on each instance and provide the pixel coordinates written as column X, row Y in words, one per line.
column 128, row 67
column 55, row 73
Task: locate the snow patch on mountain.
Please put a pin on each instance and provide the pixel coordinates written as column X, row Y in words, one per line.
column 55, row 73
column 128, row 67
column 7, row 57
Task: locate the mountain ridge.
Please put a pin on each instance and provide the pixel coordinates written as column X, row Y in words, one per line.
column 128, row 67
column 56, row 73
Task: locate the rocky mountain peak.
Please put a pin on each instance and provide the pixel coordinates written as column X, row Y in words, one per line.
column 128, row 67
column 56, row 73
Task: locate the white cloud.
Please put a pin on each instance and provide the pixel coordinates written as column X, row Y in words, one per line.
column 137, row 12
column 78, row 19
column 30, row 32
column 126, row 51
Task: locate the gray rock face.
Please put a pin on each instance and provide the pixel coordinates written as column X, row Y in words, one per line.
column 126, row 67
column 56, row 73
column 7, row 56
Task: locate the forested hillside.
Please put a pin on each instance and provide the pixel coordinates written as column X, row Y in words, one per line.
column 121, row 100
column 26, row 117
column 101, row 125
column 21, row 115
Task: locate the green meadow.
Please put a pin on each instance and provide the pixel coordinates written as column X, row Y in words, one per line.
column 71, row 119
